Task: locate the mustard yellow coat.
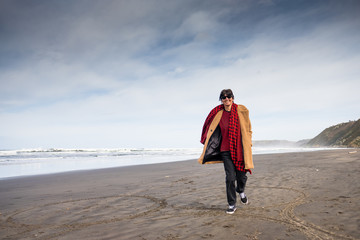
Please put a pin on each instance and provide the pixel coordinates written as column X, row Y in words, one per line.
column 246, row 137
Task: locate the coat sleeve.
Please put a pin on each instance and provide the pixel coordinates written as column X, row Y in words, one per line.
column 250, row 129
column 208, row 121
column 204, row 132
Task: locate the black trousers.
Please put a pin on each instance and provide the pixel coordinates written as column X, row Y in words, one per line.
column 232, row 176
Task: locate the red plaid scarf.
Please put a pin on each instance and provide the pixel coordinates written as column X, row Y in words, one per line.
column 236, row 149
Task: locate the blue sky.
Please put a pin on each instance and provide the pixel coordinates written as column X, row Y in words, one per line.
column 113, row 74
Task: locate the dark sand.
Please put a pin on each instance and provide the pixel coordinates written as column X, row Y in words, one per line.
column 313, row 195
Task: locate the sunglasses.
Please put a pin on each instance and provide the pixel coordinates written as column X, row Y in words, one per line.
column 224, row 97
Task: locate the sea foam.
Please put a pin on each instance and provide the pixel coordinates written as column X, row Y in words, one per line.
column 16, row 163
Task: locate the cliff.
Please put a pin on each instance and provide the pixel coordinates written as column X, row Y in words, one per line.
column 341, row 135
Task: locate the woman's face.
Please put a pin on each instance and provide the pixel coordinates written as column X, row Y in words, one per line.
column 227, row 101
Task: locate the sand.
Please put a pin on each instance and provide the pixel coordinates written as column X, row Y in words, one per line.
column 312, row 195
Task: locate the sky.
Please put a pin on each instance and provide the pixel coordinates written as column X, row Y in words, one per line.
column 146, row 73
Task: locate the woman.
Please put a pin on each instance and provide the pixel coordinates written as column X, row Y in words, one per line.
column 226, row 136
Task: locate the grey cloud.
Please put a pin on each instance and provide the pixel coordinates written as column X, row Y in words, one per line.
column 72, row 63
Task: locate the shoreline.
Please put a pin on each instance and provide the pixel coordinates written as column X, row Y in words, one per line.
column 80, row 171
column 303, row 195
column 78, row 166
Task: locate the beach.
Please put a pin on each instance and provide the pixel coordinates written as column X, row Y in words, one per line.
column 306, row 195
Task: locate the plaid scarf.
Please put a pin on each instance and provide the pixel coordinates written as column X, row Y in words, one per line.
column 236, row 149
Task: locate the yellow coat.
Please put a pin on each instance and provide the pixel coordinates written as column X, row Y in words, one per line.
column 212, row 139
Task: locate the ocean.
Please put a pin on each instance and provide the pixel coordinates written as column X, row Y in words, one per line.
column 26, row 162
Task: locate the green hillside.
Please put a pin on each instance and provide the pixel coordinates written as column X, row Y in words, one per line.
column 340, row 135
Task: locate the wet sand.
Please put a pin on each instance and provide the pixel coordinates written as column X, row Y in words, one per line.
column 312, row 195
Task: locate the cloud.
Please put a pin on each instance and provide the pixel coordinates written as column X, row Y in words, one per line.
column 118, row 73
